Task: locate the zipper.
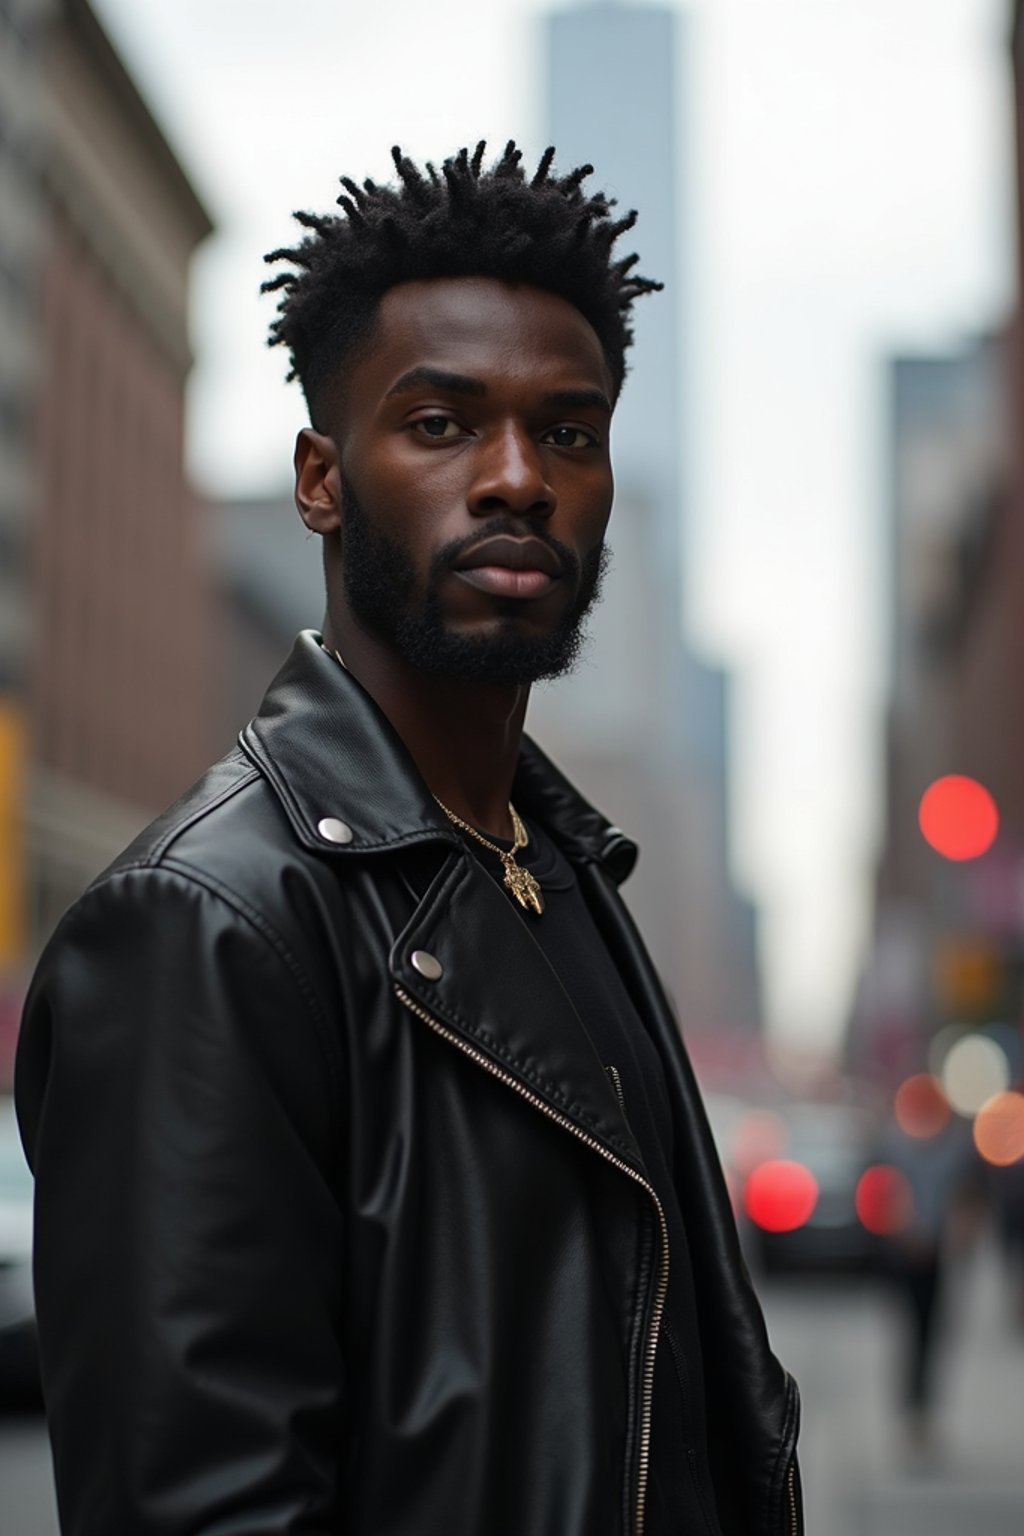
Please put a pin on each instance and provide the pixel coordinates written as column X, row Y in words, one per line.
column 648, row 1398
column 661, row 1292
column 794, row 1520
column 613, row 1073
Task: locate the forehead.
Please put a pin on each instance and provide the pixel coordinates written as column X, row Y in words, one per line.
column 498, row 332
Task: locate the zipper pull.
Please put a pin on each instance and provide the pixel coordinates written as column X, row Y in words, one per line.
column 613, row 1073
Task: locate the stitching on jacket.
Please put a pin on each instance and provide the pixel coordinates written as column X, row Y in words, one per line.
column 255, row 919
column 496, row 1048
column 259, row 922
column 160, row 847
column 267, row 769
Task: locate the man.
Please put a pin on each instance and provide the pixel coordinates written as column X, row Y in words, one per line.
column 374, row 1191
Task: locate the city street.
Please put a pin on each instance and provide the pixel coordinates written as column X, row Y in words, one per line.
column 860, row 1479
column 860, row 1476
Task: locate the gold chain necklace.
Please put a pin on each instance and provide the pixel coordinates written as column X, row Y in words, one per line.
column 524, row 886
column 520, row 882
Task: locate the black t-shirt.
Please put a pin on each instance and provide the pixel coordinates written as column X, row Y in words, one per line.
column 680, row 1500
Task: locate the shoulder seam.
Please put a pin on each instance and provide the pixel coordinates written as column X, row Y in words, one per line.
column 160, row 847
column 255, row 919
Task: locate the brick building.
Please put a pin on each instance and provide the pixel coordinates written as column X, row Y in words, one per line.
column 108, row 679
column 120, row 597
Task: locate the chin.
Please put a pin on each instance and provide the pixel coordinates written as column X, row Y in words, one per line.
column 504, row 657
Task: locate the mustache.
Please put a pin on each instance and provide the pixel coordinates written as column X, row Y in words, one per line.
column 496, row 527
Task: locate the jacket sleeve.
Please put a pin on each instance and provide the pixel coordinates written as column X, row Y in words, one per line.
column 177, row 1091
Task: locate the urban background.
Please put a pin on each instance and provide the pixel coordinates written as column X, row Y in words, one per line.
column 801, row 691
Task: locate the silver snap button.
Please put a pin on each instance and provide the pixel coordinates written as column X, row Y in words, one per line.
column 334, row 831
column 427, row 964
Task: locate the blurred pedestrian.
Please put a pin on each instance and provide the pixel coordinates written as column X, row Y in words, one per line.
column 942, row 1194
column 1008, row 1198
column 374, row 1191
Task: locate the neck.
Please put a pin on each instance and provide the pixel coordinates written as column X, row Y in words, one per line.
column 463, row 737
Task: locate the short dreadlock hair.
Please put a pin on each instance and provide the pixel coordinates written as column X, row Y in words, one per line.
column 465, row 222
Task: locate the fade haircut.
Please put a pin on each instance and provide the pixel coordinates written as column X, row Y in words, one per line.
column 466, row 221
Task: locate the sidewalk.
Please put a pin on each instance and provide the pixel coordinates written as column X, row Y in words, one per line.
column 840, row 1340
column 974, row 1484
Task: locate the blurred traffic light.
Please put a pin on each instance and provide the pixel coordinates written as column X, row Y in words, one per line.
column 958, row 817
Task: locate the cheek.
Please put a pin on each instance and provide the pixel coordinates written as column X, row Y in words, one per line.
column 590, row 510
column 407, row 494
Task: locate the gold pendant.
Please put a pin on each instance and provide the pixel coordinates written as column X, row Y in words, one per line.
column 523, row 886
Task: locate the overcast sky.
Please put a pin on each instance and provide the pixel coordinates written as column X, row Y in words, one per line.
column 853, row 197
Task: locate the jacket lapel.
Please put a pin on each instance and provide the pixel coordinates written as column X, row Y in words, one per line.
column 496, row 992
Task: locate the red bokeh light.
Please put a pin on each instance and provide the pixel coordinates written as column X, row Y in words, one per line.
column 958, row 817
column 883, row 1200
column 780, row 1196
column 920, row 1106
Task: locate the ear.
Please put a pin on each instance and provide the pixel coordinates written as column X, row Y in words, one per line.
column 317, row 481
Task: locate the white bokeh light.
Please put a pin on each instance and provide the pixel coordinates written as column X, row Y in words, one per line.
column 975, row 1069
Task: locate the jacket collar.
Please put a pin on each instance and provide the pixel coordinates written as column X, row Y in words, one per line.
column 331, row 755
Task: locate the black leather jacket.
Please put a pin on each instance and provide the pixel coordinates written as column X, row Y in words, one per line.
column 332, row 1237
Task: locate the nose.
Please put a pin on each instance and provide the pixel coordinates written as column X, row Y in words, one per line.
column 510, row 476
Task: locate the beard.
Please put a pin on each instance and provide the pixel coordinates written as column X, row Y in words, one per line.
column 381, row 591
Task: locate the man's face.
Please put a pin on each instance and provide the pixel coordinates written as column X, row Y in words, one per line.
column 475, row 479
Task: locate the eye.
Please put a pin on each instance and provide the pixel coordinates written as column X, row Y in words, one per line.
column 437, row 427
column 571, row 437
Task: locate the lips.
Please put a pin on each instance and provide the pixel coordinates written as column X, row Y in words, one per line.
column 529, row 554
column 510, row 567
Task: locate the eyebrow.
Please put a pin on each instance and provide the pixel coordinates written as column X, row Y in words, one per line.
column 461, row 384
column 437, row 378
column 579, row 399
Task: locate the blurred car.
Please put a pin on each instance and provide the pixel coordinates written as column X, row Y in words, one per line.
column 19, row 1363
column 809, row 1188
